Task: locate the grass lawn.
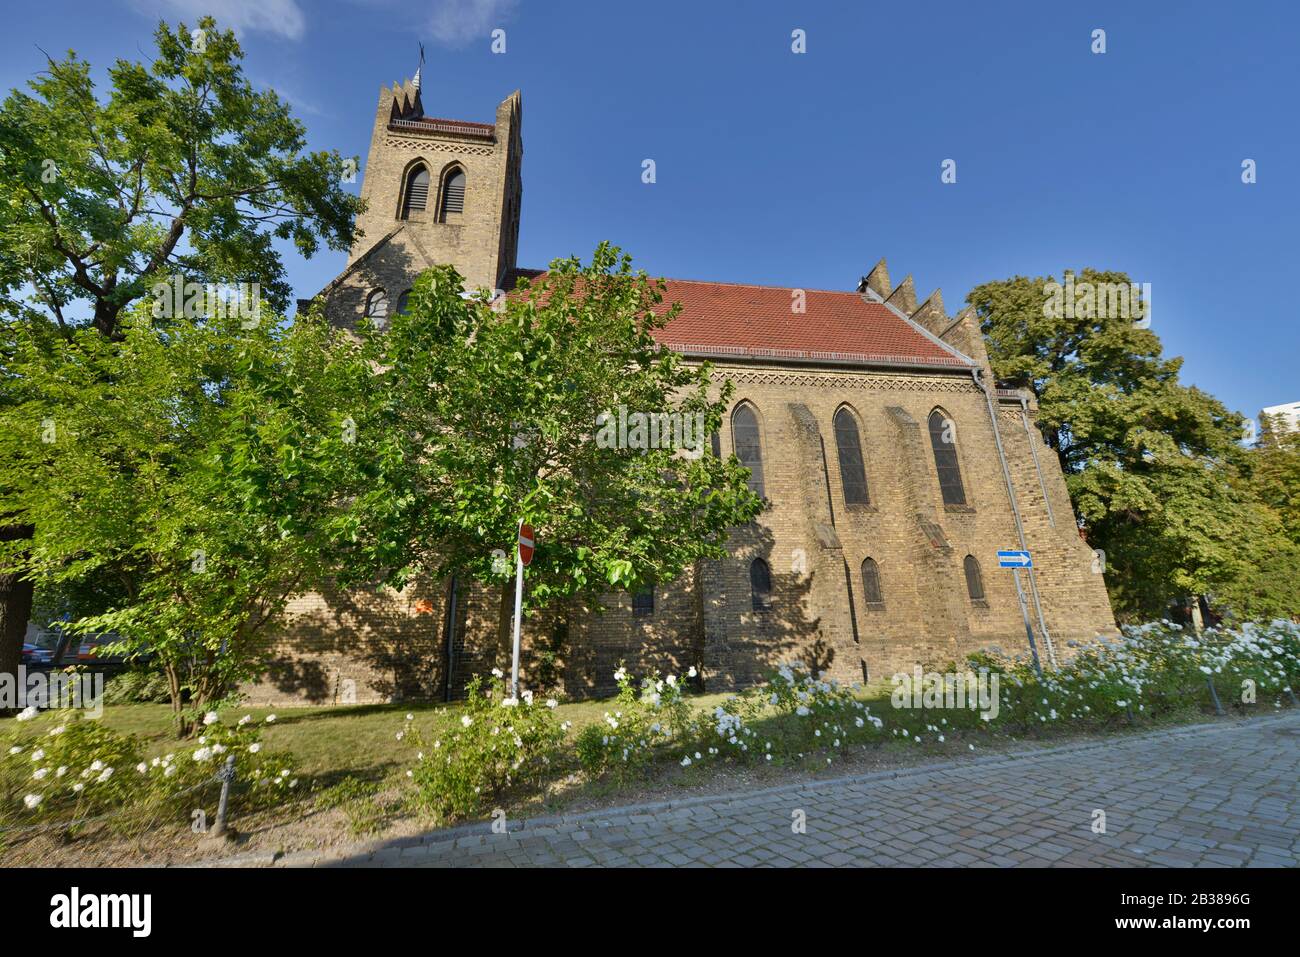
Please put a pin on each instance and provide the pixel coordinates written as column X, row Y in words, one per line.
column 332, row 742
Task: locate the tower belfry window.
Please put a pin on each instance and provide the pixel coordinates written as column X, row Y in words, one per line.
column 416, row 197
column 453, row 194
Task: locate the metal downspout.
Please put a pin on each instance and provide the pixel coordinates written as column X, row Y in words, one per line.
column 1033, row 450
column 1015, row 512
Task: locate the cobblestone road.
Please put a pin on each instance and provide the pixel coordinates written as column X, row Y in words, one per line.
column 1224, row 794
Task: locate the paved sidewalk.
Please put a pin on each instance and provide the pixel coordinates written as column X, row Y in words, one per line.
column 1225, row 794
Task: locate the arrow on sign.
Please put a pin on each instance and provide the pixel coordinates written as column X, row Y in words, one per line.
column 1015, row 559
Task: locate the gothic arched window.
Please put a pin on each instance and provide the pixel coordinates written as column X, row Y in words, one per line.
column 643, row 602
column 402, row 301
column 760, row 585
column 974, row 580
column 453, row 194
column 853, row 473
column 377, row 307
column 748, row 446
column 415, row 195
column 871, row 582
column 943, row 440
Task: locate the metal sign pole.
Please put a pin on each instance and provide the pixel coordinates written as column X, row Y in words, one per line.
column 519, row 600
column 1029, row 631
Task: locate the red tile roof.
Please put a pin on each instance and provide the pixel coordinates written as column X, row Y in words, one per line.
column 733, row 320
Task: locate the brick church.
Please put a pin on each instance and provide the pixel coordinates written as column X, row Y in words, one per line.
column 893, row 467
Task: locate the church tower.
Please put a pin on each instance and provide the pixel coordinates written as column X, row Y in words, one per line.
column 437, row 191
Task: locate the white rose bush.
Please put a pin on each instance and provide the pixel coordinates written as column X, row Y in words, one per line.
column 80, row 769
column 497, row 743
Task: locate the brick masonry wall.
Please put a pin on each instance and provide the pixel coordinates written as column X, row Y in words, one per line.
column 813, row 542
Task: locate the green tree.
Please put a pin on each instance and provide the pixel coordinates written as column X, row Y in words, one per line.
column 183, row 170
column 509, row 401
column 217, row 471
column 1153, row 466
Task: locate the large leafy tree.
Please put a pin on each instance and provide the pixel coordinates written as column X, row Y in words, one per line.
column 183, row 169
column 1154, row 466
column 509, row 399
column 213, row 471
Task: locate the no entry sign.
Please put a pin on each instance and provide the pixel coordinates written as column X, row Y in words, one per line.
column 525, row 542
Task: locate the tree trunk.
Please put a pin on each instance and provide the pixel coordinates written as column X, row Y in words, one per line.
column 15, row 608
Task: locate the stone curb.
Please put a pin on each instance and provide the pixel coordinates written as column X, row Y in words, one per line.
column 473, row 834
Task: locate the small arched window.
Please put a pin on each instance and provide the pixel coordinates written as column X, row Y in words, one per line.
column 871, row 582
column 749, row 448
column 402, row 302
column 974, row 580
column 943, row 440
column 415, row 196
column 853, row 473
column 377, row 308
column 643, row 602
column 453, row 194
column 760, row 585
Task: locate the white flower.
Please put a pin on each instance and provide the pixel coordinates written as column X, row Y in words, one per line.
column 466, row 720
column 686, row 761
column 551, row 703
column 40, row 773
column 507, row 703
column 32, row 801
column 15, row 750
column 410, row 717
column 270, row 719
column 528, row 697
column 105, row 775
column 63, row 769
column 691, row 672
column 202, row 754
column 59, row 730
column 245, row 720
column 210, row 718
column 498, row 673
column 78, row 788
column 40, row 753
column 26, row 715
column 400, row 735
column 620, row 674
column 672, row 681
column 142, row 768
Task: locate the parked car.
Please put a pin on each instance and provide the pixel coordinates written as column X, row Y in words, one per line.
column 35, row 654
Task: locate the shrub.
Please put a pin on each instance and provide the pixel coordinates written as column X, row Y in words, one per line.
column 137, row 686
column 81, row 768
column 624, row 742
column 496, row 742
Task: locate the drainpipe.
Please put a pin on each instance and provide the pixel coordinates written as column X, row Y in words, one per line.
column 1033, row 450
column 450, row 631
column 1015, row 510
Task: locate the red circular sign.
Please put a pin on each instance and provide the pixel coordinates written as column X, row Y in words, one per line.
column 525, row 542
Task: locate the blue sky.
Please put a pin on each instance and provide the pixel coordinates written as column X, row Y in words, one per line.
column 803, row 170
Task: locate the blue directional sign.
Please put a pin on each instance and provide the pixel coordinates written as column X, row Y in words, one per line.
column 1013, row 559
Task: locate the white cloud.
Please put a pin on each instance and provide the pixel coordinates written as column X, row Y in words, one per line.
column 282, row 18
column 457, row 22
